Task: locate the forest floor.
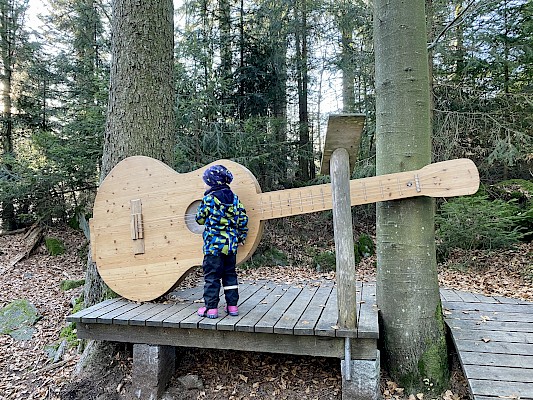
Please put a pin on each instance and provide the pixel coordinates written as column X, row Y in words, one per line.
column 27, row 370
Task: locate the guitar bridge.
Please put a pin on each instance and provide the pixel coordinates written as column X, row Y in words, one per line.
column 137, row 233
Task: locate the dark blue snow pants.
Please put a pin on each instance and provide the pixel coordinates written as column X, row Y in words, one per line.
column 216, row 269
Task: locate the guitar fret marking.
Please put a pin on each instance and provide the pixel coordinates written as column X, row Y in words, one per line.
column 312, row 199
column 364, row 191
column 399, row 186
column 280, row 206
column 289, row 203
column 271, row 205
column 301, row 203
column 322, row 194
column 381, row 189
column 417, row 184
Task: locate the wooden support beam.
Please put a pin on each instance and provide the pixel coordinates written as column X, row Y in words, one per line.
column 344, row 245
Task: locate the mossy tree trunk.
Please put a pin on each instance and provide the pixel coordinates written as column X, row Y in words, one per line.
column 140, row 115
column 407, row 282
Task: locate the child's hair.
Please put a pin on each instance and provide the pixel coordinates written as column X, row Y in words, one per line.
column 217, row 175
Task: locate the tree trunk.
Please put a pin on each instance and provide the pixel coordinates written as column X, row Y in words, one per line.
column 348, row 71
column 140, row 115
column 7, row 36
column 305, row 153
column 407, row 281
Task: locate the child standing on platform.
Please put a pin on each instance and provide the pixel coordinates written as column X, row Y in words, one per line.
column 225, row 221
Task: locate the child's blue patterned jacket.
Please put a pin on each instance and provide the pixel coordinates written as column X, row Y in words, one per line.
column 225, row 222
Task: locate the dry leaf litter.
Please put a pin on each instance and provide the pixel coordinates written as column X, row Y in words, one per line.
column 28, row 370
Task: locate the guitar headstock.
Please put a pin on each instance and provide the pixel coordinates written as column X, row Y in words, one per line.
column 451, row 178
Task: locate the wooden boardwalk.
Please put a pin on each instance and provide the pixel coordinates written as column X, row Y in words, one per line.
column 291, row 319
column 493, row 335
column 494, row 340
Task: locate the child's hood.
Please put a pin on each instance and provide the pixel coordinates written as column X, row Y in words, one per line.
column 225, row 196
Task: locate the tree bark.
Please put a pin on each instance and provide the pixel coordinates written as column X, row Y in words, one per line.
column 140, row 115
column 407, row 281
column 7, row 37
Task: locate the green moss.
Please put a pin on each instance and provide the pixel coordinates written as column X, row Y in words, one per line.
column 432, row 373
column 16, row 315
column 69, row 334
column 365, row 245
column 325, row 261
column 54, row 246
column 433, row 365
column 78, row 305
column 69, row 284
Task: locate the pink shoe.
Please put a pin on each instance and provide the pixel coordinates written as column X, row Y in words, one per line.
column 232, row 310
column 211, row 313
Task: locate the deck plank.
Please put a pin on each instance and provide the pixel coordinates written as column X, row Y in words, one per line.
column 108, row 317
column 93, row 315
column 327, row 324
column 77, row 316
column 491, row 307
column 248, row 321
column 307, row 322
column 267, row 322
column 487, row 325
column 124, row 319
column 171, row 309
column 499, row 373
column 495, row 359
column 501, row 389
column 493, row 336
column 487, row 316
column 247, row 305
column 494, row 340
column 285, row 325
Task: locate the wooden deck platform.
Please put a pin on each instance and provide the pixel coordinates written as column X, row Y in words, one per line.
column 494, row 340
column 275, row 318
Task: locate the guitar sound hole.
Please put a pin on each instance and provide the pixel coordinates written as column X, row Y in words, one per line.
column 190, row 222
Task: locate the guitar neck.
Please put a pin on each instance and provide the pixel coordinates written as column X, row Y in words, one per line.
column 443, row 179
column 286, row 203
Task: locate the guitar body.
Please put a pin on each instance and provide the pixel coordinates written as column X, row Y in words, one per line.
column 144, row 238
column 172, row 239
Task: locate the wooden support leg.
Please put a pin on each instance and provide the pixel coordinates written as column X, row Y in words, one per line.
column 153, row 366
column 364, row 379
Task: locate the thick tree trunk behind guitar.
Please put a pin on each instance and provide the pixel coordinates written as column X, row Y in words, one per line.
column 140, row 115
column 407, row 281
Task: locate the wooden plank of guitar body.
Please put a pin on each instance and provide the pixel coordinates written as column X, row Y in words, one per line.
column 290, row 317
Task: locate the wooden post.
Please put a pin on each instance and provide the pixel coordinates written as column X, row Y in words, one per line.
column 344, row 245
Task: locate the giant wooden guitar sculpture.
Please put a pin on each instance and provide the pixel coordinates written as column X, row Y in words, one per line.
column 144, row 237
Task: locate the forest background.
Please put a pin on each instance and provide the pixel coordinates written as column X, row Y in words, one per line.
column 252, row 83
column 253, row 79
